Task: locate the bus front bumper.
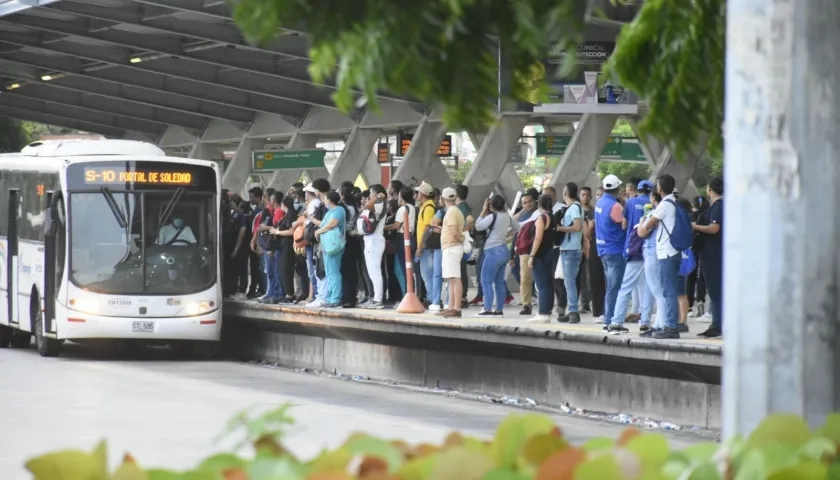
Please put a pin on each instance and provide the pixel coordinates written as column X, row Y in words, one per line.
column 86, row 326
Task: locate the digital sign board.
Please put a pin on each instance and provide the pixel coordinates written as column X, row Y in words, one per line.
column 108, row 176
column 140, row 175
column 404, row 143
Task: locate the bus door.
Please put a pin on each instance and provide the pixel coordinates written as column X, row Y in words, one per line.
column 12, row 259
column 54, row 246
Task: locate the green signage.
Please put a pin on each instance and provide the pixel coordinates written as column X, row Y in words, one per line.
column 550, row 145
column 272, row 160
column 617, row 148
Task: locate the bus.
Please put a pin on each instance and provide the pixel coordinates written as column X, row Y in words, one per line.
column 108, row 240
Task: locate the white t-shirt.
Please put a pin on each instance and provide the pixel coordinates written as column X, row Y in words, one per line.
column 310, row 209
column 167, row 233
column 401, row 216
column 667, row 215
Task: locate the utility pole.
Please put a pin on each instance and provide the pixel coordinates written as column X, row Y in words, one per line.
column 782, row 211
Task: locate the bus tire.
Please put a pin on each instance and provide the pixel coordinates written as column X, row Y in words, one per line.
column 20, row 339
column 5, row 336
column 47, row 347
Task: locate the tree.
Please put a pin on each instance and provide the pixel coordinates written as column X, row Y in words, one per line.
column 625, row 170
column 13, row 137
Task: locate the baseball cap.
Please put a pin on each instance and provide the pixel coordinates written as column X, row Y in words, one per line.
column 448, row 193
column 309, row 188
column 645, row 184
column 425, row 189
column 610, row 182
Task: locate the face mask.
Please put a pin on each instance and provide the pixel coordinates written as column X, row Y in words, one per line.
column 177, row 223
column 298, row 205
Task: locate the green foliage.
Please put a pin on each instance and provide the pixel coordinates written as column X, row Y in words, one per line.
column 625, row 170
column 672, row 54
column 525, row 447
column 439, row 52
column 464, row 167
column 13, row 135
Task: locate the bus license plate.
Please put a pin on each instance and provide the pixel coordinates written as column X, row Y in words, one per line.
column 142, row 327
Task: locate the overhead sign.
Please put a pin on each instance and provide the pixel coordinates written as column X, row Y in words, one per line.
column 273, row 160
column 383, row 153
column 617, row 149
column 404, row 143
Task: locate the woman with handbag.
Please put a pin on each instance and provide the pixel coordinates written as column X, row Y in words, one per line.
column 332, row 241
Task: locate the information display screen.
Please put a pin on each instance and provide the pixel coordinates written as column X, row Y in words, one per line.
column 140, row 175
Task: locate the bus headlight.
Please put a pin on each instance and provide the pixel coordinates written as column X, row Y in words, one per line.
column 197, row 308
column 85, row 305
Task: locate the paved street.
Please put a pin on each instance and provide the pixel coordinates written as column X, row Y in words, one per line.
column 168, row 412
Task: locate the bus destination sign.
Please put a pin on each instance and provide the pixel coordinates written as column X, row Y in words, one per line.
column 110, row 175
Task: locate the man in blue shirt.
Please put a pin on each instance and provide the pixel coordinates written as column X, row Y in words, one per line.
column 712, row 256
column 634, row 272
column 610, row 238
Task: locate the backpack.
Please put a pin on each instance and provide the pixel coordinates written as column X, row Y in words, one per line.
column 559, row 216
column 309, row 233
column 369, row 224
column 683, row 235
column 525, row 238
column 635, row 244
column 687, row 264
column 480, row 236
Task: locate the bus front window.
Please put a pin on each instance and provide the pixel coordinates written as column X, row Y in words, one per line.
column 167, row 248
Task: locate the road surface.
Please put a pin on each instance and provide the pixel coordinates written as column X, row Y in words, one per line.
column 168, row 413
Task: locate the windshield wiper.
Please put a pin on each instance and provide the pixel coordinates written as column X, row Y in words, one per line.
column 170, row 207
column 115, row 209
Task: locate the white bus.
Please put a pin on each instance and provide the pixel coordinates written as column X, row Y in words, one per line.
column 108, row 239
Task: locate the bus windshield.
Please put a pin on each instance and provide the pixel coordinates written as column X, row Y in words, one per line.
column 143, row 242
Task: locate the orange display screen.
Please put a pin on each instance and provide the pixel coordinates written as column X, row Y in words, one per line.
column 105, row 176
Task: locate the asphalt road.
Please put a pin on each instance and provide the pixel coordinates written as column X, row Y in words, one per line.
column 168, row 412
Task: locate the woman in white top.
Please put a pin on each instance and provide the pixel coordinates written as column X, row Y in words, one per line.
column 406, row 201
column 373, row 212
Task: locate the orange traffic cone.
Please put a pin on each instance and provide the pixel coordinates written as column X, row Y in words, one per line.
column 410, row 303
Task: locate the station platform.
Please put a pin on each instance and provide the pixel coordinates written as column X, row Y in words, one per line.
column 554, row 365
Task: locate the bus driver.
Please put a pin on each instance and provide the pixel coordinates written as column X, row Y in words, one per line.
column 176, row 233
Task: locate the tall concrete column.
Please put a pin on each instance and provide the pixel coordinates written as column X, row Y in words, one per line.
column 781, row 264
column 658, row 154
column 421, row 162
column 283, row 179
column 492, row 158
column 357, row 150
column 236, row 175
column 509, row 183
column 583, row 151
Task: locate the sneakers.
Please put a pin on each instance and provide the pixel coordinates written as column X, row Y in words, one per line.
column 682, row 327
column 331, row 305
column 644, row 328
column 574, row 317
column 667, row 334
column 605, row 329
column 616, row 329
column 539, row 319
column 706, row 318
column 435, row 308
column 562, row 319
column 476, row 301
column 485, row 313
column 509, row 300
column 375, row 306
column 526, row 310
column 315, row 304
column 599, row 319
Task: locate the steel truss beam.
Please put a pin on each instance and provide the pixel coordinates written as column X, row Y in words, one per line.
column 44, row 92
column 79, row 113
column 237, row 101
column 59, row 121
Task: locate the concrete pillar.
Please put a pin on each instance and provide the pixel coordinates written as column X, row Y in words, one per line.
column 584, row 149
column 421, row 162
column 781, row 261
column 236, row 175
column 283, row 179
column 509, row 183
column 358, row 148
column 372, row 169
column 658, row 154
column 492, row 158
column 680, row 169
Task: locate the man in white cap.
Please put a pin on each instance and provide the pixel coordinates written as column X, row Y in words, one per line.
column 610, row 226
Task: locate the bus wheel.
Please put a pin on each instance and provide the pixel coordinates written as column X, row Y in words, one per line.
column 5, row 336
column 20, row 339
column 47, row 347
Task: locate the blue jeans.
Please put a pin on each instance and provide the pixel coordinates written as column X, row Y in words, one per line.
column 267, row 262
column 571, row 265
column 634, row 277
column 669, row 268
column 332, row 268
column 653, row 282
column 614, row 265
column 427, row 271
column 493, row 277
column 543, row 277
column 714, row 283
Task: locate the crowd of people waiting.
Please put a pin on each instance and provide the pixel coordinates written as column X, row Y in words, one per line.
column 326, row 248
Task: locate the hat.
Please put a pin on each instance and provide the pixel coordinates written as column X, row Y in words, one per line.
column 309, row 188
column 611, row 182
column 645, row 185
column 425, row 189
column 448, row 193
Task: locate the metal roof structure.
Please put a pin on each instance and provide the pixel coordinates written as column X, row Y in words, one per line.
column 117, row 66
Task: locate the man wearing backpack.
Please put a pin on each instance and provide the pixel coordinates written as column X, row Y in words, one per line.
column 671, row 226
